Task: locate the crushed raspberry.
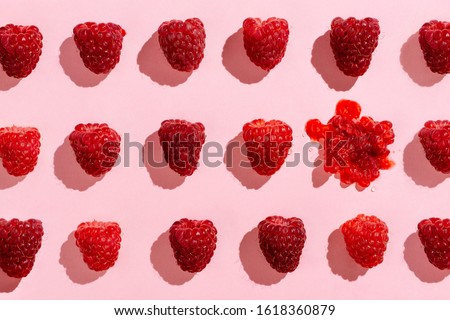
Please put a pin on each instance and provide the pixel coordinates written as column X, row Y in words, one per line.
column 355, row 148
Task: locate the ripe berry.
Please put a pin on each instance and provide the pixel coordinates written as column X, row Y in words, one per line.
column 366, row 238
column 434, row 39
column 268, row 144
column 182, row 142
column 19, row 149
column 193, row 243
column 20, row 49
column 435, row 140
column 99, row 242
column 19, row 243
column 434, row 233
column 99, row 44
column 353, row 41
column 96, row 147
column 183, row 43
column 281, row 241
column 355, row 148
column 265, row 41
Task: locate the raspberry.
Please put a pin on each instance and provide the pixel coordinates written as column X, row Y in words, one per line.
column 183, row 43
column 265, row 41
column 434, row 39
column 366, row 238
column 281, row 241
column 96, row 147
column 99, row 242
column 19, row 243
column 193, row 243
column 182, row 142
column 99, row 44
column 435, row 140
column 19, row 149
column 434, row 233
column 353, row 41
column 356, row 148
column 268, row 144
column 20, row 49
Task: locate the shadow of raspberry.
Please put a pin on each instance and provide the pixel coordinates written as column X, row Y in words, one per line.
column 165, row 264
column 339, row 260
column 7, row 180
column 237, row 163
column 254, row 262
column 417, row 166
column 418, row 263
column 69, row 171
column 158, row 169
column 237, row 63
column 414, row 64
column 72, row 260
column 74, row 68
column 7, row 82
column 323, row 61
column 153, row 63
column 319, row 176
column 7, row 283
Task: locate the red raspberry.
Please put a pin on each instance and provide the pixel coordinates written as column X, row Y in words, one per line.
column 182, row 142
column 20, row 49
column 19, row 243
column 281, row 241
column 353, row 41
column 99, row 44
column 265, row 41
column 19, row 149
column 99, row 242
column 96, row 147
column 268, row 144
column 434, row 39
column 183, row 43
column 435, row 140
column 434, row 233
column 366, row 238
column 356, row 148
column 193, row 243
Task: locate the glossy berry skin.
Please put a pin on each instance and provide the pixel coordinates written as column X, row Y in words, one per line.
column 366, row 238
column 353, row 42
column 100, row 45
column 182, row 143
column 99, row 243
column 19, row 149
column 355, row 148
column 96, row 147
column 193, row 243
column 19, row 243
column 267, row 144
column 183, row 43
column 20, row 49
column 265, row 41
column 434, row 233
column 434, row 39
column 281, row 241
column 435, row 140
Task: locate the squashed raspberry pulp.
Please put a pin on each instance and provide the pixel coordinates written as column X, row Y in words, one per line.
column 354, row 148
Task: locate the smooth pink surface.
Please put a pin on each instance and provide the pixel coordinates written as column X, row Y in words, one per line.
column 224, row 93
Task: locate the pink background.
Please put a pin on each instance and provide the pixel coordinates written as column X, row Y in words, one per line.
column 224, row 93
